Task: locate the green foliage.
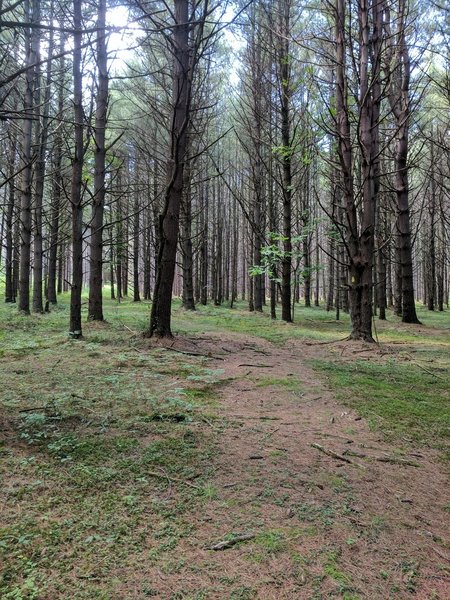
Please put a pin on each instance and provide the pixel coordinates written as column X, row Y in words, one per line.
column 273, row 254
column 283, row 152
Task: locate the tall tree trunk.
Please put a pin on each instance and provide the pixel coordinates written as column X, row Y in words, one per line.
column 10, row 295
column 57, row 187
column 285, row 97
column 111, row 263
column 382, row 304
column 98, row 204
column 32, row 52
column 136, row 237
column 204, row 248
column 235, row 252
column 399, row 79
column 75, row 330
column 186, row 242
column 146, row 255
column 42, row 136
column 160, row 318
column 119, row 251
column 431, row 249
column 360, row 241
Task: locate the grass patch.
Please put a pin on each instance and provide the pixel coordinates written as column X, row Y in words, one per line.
column 396, row 397
column 79, row 445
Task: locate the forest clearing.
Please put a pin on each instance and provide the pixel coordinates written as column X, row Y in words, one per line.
column 125, row 460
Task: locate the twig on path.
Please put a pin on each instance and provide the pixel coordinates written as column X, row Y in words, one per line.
column 55, row 365
column 135, row 333
column 337, row 456
column 397, row 461
column 223, row 545
column 260, row 366
column 440, row 554
column 194, row 353
column 356, row 454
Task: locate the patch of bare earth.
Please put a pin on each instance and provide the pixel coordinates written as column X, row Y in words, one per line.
column 335, row 510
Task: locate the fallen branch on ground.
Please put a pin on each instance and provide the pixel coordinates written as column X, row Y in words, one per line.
column 356, row 454
column 244, row 537
column 441, row 554
column 337, row 456
column 397, row 461
column 194, row 353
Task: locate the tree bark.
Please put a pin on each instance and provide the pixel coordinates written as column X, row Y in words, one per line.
column 75, row 330
column 285, row 97
column 399, row 79
column 136, row 237
column 32, row 52
column 10, row 295
column 186, row 243
column 160, row 318
column 98, row 203
column 57, row 187
column 42, row 136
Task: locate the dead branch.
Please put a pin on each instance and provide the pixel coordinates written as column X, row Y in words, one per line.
column 396, row 461
column 337, row 456
column 223, row 545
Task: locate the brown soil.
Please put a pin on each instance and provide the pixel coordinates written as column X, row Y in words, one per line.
column 324, row 528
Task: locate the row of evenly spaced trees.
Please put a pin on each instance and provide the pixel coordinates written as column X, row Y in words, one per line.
column 302, row 155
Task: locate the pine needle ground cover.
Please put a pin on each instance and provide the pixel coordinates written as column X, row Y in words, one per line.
column 123, row 462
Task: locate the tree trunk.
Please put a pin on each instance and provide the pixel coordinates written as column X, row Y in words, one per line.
column 360, row 241
column 136, row 237
column 10, row 295
column 186, row 243
column 285, row 97
column 204, row 249
column 40, row 176
column 32, row 52
column 75, row 330
column 57, row 187
column 431, row 237
column 160, row 318
column 399, row 102
column 98, row 203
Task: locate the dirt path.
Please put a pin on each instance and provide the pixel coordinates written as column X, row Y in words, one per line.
column 323, row 527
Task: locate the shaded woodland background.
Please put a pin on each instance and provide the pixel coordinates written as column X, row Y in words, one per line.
column 273, row 152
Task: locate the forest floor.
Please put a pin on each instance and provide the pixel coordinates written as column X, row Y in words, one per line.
column 244, row 459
